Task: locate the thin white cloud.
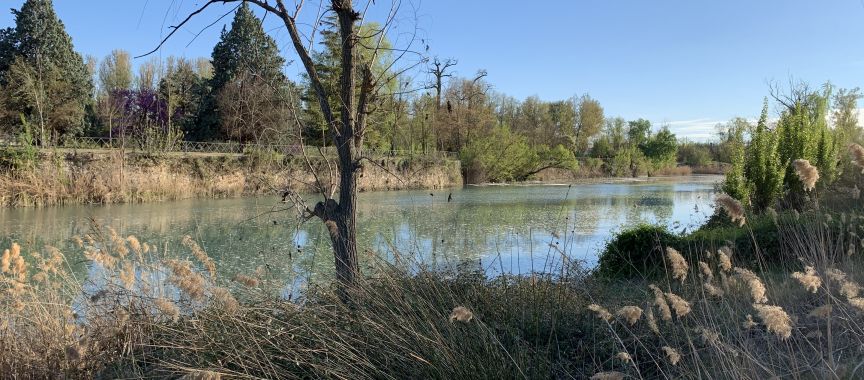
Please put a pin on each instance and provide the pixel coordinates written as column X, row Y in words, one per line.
column 694, row 130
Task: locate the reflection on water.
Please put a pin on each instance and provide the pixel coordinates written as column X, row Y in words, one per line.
column 515, row 229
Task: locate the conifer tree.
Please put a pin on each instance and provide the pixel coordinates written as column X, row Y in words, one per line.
column 47, row 80
column 763, row 168
column 244, row 51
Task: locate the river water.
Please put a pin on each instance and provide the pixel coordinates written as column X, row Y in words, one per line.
column 513, row 229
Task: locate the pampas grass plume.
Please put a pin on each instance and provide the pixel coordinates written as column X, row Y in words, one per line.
column 630, row 313
column 678, row 263
column 461, row 314
column 808, row 174
column 775, row 319
column 600, row 312
column 732, row 207
column 808, row 279
column 671, row 354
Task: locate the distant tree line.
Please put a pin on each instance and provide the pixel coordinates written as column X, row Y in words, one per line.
column 241, row 94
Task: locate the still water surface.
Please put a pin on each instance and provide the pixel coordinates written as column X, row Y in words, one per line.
column 514, row 229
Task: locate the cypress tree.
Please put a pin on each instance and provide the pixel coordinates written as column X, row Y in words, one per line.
column 763, row 169
column 244, row 49
column 41, row 64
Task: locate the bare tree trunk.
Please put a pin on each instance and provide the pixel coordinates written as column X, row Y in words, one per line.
column 346, row 132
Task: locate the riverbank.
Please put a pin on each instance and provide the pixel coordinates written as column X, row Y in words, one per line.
column 67, row 177
column 111, row 177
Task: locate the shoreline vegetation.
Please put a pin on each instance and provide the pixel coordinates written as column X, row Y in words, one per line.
column 709, row 310
column 106, row 177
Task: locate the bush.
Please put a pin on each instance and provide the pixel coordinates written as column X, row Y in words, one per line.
column 636, row 251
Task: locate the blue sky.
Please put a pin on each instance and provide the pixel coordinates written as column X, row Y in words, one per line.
column 686, row 63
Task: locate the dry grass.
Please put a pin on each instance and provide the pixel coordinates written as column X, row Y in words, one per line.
column 145, row 313
column 115, row 178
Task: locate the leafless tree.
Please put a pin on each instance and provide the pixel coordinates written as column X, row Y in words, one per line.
column 348, row 127
column 438, row 69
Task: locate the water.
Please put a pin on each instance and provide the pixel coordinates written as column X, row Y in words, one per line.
column 513, row 229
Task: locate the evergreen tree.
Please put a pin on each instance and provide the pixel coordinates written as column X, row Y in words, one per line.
column 244, row 49
column 763, row 169
column 51, row 83
column 736, row 183
column 804, row 134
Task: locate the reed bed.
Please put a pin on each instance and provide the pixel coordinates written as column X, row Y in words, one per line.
column 145, row 312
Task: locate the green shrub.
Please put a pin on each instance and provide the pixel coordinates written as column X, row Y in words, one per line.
column 635, row 252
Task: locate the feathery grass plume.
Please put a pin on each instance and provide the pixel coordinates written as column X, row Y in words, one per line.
column 856, row 152
column 848, row 288
column 681, row 307
column 461, row 314
column 652, row 322
column 724, row 258
column 749, row 323
column 857, row 302
column 600, row 312
column 10, row 256
column 777, row 321
column 821, row 312
column 136, row 246
column 53, row 263
column 100, row 257
column 226, row 300
column 15, row 267
column 671, row 354
column 78, row 241
column 712, row 290
column 611, row 375
column 732, row 207
column 808, row 279
column 248, row 281
column 757, row 288
column 167, row 308
column 706, row 271
column 6, row 261
column 679, row 264
column 630, row 313
column 118, row 244
column 660, row 302
column 808, row 174
column 835, row 275
column 624, row 357
column 200, row 254
column 127, row 274
column 188, row 280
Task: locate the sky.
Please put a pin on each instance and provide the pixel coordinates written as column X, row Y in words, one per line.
column 683, row 63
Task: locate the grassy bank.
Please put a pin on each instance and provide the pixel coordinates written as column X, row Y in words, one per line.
column 90, row 178
column 707, row 313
